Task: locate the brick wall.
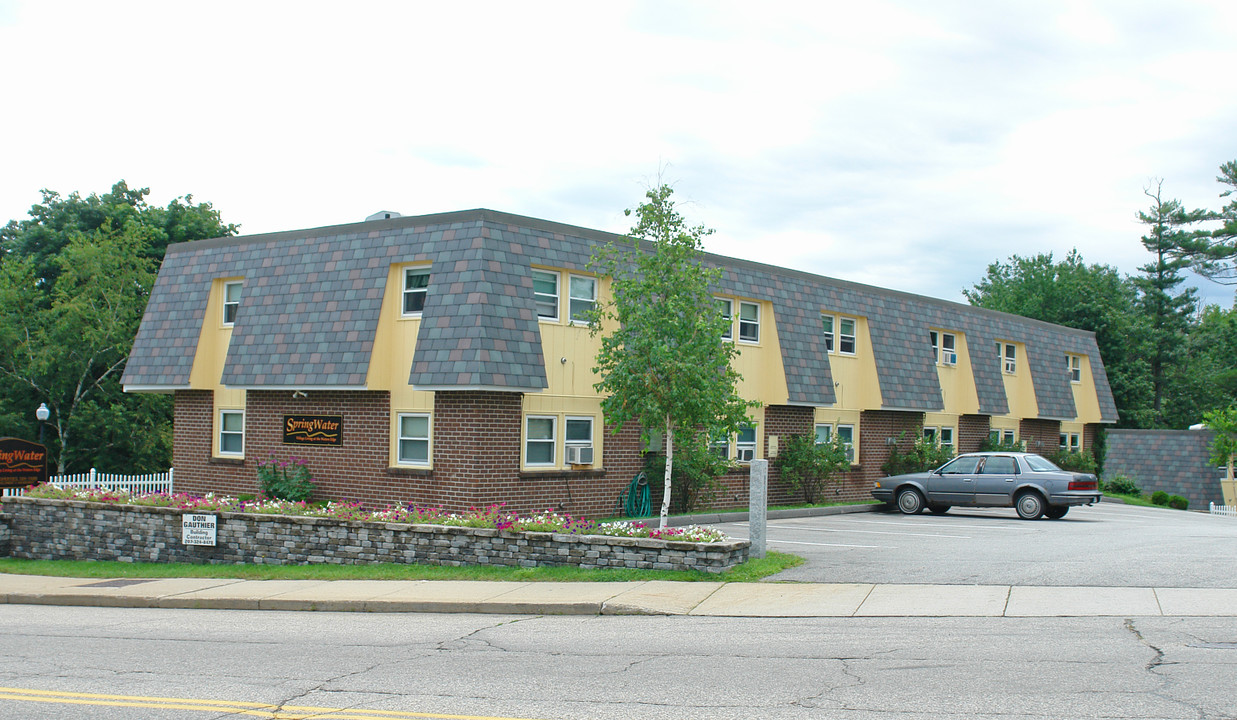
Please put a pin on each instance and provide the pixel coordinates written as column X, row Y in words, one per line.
column 875, row 427
column 356, row 470
column 1040, row 436
column 972, row 432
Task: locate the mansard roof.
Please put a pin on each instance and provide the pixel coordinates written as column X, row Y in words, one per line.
column 312, row 299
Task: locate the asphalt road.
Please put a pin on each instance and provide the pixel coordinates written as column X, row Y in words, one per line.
column 147, row 664
column 1105, row 545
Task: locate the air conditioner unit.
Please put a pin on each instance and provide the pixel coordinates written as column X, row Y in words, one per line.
column 951, row 358
column 579, row 455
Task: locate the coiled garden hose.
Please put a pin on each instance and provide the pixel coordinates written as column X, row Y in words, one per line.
column 635, row 500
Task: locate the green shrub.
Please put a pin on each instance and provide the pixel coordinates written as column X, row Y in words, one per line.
column 693, row 479
column 1177, row 502
column 808, row 467
column 993, row 444
column 1122, row 485
column 1074, row 461
column 286, row 480
column 1159, row 497
column 924, row 455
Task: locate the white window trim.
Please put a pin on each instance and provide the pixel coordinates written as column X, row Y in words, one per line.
column 935, row 338
column 570, row 297
column 429, row 440
column 851, row 453
column 940, row 436
column 553, row 441
column 229, row 453
column 854, row 336
column 756, row 323
column 1074, row 364
column 831, row 334
column 740, row 446
column 558, row 291
column 932, row 434
column 233, row 283
column 826, row 426
column 403, row 297
column 728, row 314
column 949, row 355
column 592, row 434
column 1008, row 365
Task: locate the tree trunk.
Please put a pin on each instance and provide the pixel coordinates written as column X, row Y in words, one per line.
column 665, row 497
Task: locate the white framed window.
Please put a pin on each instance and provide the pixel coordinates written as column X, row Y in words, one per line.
column 946, row 438
column 540, row 439
column 929, row 434
column 847, row 434
column 826, row 326
column 578, row 440
column 749, row 322
column 726, row 307
column 719, row 445
column 846, row 335
column 745, row 444
column 414, row 439
column 1008, row 437
column 545, row 294
column 935, row 338
column 949, row 349
column 1070, row 442
column 1073, row 363
column 231, row 302
column 582, row 296
column 824, row 434
column 416, row 287
column 1008, row 353
column 231, row 432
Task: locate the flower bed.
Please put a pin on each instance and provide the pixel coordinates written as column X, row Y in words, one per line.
column 50, row 523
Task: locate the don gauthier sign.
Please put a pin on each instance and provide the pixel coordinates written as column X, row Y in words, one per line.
column 198, row 529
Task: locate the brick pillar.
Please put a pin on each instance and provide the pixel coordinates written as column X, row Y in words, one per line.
column 972, row 432
column 477, row 451
column 783, row 421
column 875, row 428
column 1040, row 436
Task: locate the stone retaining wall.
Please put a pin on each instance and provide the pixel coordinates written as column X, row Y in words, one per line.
column 73, row 530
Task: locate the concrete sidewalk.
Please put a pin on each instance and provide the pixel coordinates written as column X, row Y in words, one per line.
column 654, row 597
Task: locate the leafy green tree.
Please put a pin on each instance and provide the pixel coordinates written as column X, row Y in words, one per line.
column 1224, row 446
column 662, row 360
column 1206, row 376
column 74, row 280
column 808, row 466
column 696, row 469
column 1088, row 297
column 1214, row 253
column 1166, row 308
column 923, row 456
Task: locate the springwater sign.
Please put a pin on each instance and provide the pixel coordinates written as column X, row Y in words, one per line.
column 198, row 529
column 22, row 463
column 313, row 429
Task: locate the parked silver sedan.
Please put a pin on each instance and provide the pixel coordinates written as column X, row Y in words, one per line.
column 1027, row 482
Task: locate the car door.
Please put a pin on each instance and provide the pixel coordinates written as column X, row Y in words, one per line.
column 995, row 483
column 954, row 483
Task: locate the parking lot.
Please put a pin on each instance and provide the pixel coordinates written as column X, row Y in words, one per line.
column 1105, row 545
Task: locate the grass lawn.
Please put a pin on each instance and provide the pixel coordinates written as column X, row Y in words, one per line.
column 749, row 571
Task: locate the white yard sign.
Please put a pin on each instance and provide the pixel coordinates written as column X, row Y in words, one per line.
column 198, row 529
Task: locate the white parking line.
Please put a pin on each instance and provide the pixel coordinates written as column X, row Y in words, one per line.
column 938, row 524
column 863, row 532
column 797, row 542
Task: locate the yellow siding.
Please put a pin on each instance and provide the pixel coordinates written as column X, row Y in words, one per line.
column 763, row 377
column 958, row 381
column 1086, row 401
column 1019, row 388
column 208, row 360
column 855, row 381
column 390, row 363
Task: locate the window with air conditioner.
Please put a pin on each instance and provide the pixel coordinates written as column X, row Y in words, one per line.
column 578, row 441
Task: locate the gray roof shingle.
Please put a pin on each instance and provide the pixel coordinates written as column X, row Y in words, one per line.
column 311, row 301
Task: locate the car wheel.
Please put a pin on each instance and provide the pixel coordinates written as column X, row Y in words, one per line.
column 1029, row 506
column 910, row 502
column 1056, row 512
column 938, row 509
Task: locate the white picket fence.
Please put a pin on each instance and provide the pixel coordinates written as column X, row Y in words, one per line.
column 135, row 484
column 1228, row 510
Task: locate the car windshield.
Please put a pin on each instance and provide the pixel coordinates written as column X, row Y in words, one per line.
column 964, row 465
column 1040, row 464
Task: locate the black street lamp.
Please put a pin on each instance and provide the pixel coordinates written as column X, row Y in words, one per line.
column 42, row 414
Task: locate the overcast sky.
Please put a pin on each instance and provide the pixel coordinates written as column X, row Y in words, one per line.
column 903, row 144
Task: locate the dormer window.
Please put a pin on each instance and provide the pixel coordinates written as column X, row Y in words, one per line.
column 231, row 302
column 416, row 287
